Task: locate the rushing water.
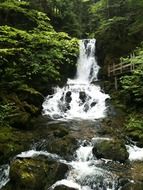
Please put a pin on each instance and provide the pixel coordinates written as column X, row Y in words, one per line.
column 85, row 173
column 4, row 174
column 79, row 98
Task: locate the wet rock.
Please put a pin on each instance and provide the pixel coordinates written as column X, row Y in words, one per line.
column 82, row 96
column 111, row 149
column 68, row 97
column 57, row 139
column 56, row 116
column 123, row 181
column 66, row 107
column 62, row 107
column 108, row 102
column 93, row 104
column 61, row 132
column 86, row 107
column 62, row 146
column 35, row 173
column 63, row 187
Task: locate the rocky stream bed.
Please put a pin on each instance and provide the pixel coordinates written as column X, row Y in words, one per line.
column 48, row 149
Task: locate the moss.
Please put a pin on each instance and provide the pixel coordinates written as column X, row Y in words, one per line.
column 111, row 149
column 26, row 174
column 22, row 173
column 12, row 142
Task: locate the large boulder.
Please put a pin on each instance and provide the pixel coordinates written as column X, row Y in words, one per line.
column 64, row 146
column 35, row 173
column 111, row 149
column 59, row 140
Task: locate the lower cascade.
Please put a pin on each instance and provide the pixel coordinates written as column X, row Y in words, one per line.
column 80, row 98
column 85, row 173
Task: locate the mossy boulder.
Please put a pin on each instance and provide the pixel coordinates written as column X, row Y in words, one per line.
column 56, row 138
column 60, row 142
column 111, row 149
column 62, row 146
column 35, row 173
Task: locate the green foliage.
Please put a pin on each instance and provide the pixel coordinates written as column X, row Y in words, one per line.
column 133, row 84
column 134, row 128
column 19, row 14
column 33, row 57
column 117, row 25
column 65, row 15
column 35, row 54
column 134, row 122
column 5, row 111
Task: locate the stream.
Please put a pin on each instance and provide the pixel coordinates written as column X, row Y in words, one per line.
column 82, row 99
column 80, row 106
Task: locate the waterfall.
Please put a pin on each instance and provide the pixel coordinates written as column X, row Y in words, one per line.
column 87, row 68
column 80, row 98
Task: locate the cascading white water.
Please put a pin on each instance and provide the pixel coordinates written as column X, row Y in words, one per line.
column 79, row 98
column 87, row 68
column 4, row 174
column 85, row 174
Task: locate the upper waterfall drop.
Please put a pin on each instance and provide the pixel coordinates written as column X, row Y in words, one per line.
column 87, row 68
column 79, row 98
